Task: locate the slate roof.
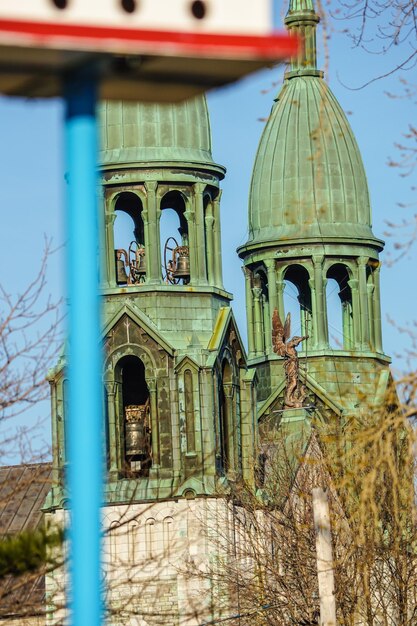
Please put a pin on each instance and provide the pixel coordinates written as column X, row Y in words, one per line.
column 23, row 489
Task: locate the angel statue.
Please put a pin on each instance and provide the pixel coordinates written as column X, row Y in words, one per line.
column 295, row 392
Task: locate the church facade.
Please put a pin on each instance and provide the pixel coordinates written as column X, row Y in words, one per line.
column 185, row 407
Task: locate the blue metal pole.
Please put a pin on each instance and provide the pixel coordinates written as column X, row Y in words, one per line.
column 84, row 359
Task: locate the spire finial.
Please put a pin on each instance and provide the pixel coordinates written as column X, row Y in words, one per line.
column 302, row 20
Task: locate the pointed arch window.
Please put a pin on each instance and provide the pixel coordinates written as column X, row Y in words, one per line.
column 174, row 240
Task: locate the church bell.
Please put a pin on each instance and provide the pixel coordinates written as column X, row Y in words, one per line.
column 182, row 264
column 140, row 262
column 121, row 275
column 137, row 262
column 135, row 441
column 137, row 432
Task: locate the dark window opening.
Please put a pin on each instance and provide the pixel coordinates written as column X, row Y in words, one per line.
column 226, row 419
column 136, row 416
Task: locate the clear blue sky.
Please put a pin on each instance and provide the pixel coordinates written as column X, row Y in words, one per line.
column 32, row 176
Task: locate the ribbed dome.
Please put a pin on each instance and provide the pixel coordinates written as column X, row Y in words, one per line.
column 308, row 179
column 141, row 133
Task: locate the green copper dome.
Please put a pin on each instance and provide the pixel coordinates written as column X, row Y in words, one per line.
column 147, row 133
column 308, row 180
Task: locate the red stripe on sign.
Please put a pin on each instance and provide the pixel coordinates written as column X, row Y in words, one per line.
column 274, row 46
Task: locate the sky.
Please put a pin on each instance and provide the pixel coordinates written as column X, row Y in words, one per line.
column 32, row 179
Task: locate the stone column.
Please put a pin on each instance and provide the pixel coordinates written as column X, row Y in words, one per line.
column 110, row 271
column 377, row 310
column 150, row 218
column 370, row 288
column 189, row 215
column 249, row 312
column 209, row 221
column 267, row 324
column 217, row 243
column 353, row 284
column 347, row 326
column 363, row 302
column 273, row 302
column 313, row 318
column 111, row 388
column 146, row 237
column 104, row 258
column 55, row 443
column 257, row 320
column 154, row 423
column 280, row 299
column 200, row 239
column 322, row 337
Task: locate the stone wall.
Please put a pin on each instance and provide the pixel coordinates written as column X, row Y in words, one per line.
column 159, row 561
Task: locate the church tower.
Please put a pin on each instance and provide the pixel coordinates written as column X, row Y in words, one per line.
column 310, row 236
column 177, row 396
column 178, row 399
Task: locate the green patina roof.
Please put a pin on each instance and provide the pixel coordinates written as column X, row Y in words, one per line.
column 136, row 132
column 308, row 180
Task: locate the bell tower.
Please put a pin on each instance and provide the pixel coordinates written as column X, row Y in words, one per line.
column 311, row 249
column 177, row 395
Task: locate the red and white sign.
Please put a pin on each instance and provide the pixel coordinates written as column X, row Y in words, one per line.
column 248, row 17
column 137, row 43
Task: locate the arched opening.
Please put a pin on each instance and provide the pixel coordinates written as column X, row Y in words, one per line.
column 262, row 324
column 297, row 301
column 226, row 418
column 173, row 233
column 134, row 415
column 133, row 538
column 339, row 307
column 168, row 535
column 150, row 538
column 129, row 239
